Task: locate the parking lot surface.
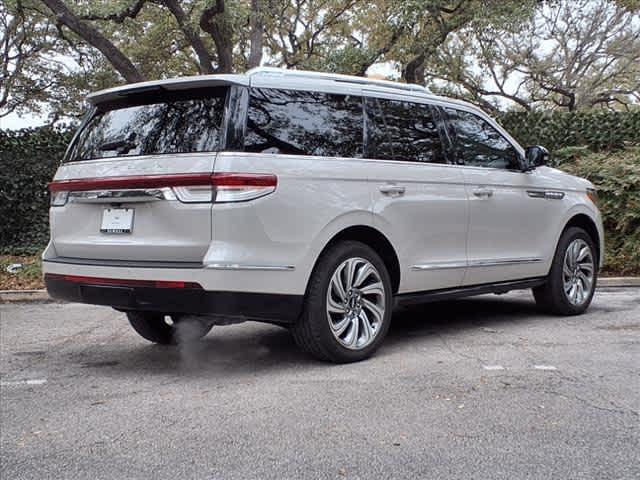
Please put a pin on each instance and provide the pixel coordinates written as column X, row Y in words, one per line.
column 482, row 388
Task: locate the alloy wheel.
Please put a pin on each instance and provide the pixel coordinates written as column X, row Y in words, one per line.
column 577, row 272
column 355, row 303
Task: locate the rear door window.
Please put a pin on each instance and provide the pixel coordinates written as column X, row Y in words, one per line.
column 304, row 123
column 479, row 144
column 400, row 130
column 176, row 122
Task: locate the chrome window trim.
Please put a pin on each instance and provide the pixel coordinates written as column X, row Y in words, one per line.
column 360, row 159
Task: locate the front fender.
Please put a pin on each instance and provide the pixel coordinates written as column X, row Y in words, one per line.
column 592, row 212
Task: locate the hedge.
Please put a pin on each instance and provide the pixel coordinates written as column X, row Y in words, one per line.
column 28, row 160
column 617, row 178
column 598, row 130
column 30, row 157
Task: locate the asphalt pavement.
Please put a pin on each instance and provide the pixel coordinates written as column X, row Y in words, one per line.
column 482, row 388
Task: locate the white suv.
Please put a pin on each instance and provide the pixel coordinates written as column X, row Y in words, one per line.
column 314, row 201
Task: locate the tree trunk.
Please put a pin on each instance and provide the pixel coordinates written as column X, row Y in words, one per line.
column 204, row 58
column 93, row 37
column 213, row 22
column 256, row 34
column 413, row 72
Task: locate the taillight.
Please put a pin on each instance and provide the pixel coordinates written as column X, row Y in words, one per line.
column 59, row 198
column 195, row 194
column 188, row 188
column 240, row 187
column 228, row 187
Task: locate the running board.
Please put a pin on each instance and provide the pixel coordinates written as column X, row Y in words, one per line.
column 415, row 298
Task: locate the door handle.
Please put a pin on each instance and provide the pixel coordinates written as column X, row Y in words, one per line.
column 483, row 192
column 392, row 190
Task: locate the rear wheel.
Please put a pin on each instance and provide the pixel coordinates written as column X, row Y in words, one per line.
column 168, row 329
column 348, row 305
column 572, row 279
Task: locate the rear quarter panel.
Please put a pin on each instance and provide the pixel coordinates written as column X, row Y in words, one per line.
column 315, row 198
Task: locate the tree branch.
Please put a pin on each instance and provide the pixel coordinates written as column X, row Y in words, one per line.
column 213, row 22
column 204, row 58
column 129, row 12
column 93, row 37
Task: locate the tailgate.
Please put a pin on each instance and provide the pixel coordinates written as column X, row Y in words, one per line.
column 136, row 182
column 132, row 221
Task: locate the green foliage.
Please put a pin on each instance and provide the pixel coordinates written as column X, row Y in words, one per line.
column 599, row 130
column 29, row 159
column 617, row 178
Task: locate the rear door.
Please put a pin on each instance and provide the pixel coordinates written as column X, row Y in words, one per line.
column 419, row 200
column 136, row 182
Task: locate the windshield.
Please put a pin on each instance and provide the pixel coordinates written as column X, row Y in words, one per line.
column 176, row 122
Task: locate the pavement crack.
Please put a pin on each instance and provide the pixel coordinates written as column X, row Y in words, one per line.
column 458, row 353
column 617, row 409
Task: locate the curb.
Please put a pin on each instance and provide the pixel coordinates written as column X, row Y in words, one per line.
column 11, row 296
column 14, row 296
column 619, row 282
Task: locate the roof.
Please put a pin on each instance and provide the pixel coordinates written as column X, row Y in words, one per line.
column 264, row 74
column 270, row 77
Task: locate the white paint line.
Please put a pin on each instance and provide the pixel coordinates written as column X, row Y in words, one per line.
column 35, row 381
column 493, row 367
column 544, row 367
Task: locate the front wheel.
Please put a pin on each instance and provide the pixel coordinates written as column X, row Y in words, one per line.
column 348, row 305
column 572, row 279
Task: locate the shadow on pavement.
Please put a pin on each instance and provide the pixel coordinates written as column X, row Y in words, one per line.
column 443, row 317
column 240, row 350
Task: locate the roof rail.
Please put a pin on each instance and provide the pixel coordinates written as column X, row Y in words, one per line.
column 336, row 78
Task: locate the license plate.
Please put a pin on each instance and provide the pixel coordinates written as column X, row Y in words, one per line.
column 117, row 220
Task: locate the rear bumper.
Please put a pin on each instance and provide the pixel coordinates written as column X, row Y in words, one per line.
column 275, row 308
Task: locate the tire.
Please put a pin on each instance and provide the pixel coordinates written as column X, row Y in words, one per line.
column 157, row 328
column 561, row 294
column 326, row 310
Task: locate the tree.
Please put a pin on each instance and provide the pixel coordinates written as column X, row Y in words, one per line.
column 28, row 69
column 56, row 51
column 569, row 54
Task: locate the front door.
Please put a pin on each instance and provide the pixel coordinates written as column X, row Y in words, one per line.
column 509, row 227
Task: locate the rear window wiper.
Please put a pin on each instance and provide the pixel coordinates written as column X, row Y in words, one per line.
column 120, row 145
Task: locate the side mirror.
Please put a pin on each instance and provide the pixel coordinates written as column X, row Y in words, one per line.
column 536, row 156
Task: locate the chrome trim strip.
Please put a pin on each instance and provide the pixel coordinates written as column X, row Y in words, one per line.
column 136, row 195
column 238, row 266
column 439, row 266
column 475, row 263
column 550, row 194
column 553, row 195
column 504, row 261
column 535, row 193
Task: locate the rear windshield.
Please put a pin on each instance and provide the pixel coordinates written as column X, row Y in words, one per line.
column 153, row 123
